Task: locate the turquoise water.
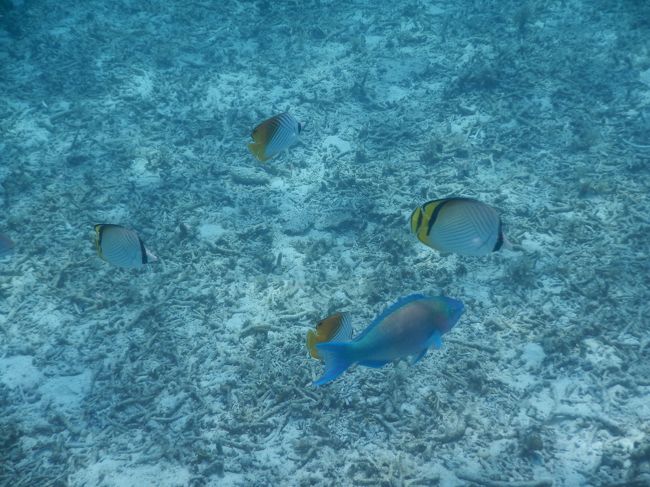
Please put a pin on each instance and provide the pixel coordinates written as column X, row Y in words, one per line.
column 193, row 370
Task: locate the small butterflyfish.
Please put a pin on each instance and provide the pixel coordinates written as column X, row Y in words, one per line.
column 463, row 226
column 6, row 246
column 407, row 328
column 335, row 328
column 121, row 246
column 274, row 135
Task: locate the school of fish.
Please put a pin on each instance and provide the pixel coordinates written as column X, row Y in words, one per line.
column 407, row 328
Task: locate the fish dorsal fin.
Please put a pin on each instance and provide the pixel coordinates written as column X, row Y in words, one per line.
column 391, row 309
column 344, row 333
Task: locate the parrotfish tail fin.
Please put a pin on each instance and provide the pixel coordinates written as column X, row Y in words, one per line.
column 337, row 357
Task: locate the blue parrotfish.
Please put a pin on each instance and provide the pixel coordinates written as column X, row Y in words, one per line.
column 407, row 328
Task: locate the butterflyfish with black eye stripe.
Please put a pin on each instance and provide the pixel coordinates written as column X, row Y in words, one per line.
column 274, row 135
column 121, row 246
column 463, row 226
column 333, row 328
column 6, row 246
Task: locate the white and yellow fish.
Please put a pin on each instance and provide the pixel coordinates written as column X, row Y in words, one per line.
column 463, row 226
column 274, row 135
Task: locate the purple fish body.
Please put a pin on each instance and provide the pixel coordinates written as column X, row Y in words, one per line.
column 407, row 328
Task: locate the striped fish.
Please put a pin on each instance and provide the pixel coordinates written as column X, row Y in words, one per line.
column 407, row 328
column 121, row 246
column 6, row 246
column 335, row 328
column 274, row 135
column 462, row 226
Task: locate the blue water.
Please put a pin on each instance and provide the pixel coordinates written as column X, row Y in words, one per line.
column 193, row 370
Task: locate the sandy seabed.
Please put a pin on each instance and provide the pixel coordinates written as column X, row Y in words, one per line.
column 194, row 371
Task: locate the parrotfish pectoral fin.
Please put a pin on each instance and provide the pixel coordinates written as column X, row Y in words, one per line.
column 337, row 357
column 434, row 341
column 375, row 364
column 416, row 358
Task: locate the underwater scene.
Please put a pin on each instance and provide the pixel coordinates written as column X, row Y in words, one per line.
column 325, row 243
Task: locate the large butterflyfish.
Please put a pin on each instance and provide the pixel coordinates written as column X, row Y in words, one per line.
column 463, row 226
